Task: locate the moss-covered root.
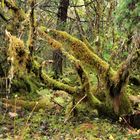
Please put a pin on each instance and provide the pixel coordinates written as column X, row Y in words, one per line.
column 29, row 105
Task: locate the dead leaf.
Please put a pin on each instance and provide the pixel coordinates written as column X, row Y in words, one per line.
column 13, row 114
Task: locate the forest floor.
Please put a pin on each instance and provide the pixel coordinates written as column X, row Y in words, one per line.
column 52, row 124
column 55, row 121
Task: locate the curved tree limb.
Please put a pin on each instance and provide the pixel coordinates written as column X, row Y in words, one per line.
column 39, row 71
column 58, row 85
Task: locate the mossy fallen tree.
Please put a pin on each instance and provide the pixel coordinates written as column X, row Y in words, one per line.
column 114, row 81
column 116, row 101
column 21, row 75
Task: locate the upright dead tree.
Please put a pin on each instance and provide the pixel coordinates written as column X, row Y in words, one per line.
column 61, row 22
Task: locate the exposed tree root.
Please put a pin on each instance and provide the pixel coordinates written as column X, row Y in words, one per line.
column 43, row 103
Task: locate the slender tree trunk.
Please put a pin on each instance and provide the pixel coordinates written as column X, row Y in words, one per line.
column 61, row 23
column 32, row 35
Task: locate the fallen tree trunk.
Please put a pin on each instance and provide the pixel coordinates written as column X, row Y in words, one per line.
column 116, row 101
column 115, row 81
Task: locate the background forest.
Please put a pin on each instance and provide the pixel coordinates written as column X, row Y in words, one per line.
column 70, row 69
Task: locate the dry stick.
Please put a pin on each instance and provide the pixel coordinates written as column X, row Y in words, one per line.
column 74, row 107
column 129, row 126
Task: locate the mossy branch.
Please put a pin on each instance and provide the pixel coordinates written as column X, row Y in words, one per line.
column 81, row 52
column 78, row 49
column 52, row 83
column 58, row 85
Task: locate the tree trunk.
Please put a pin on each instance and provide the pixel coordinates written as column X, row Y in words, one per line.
column 61, row 22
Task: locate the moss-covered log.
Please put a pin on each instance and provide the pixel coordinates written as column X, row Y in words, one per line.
column 115, row 81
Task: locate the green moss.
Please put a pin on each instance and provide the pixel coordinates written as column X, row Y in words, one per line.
column 125, row 107
column 77, row 50
column 80, row 51
column 26, row 84
column 18, row 55
column 29, row 105
column 58, row 85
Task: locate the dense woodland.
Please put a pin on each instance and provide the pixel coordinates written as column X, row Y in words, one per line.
column 70, row 69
